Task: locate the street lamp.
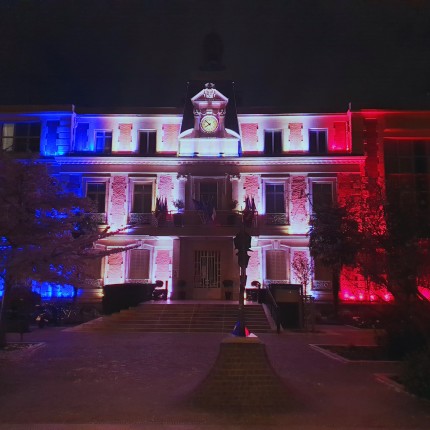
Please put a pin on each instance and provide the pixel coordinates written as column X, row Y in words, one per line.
column 242, row 243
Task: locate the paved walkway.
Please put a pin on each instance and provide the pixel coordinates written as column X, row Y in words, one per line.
column 132, row 381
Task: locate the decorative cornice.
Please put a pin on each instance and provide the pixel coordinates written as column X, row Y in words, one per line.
column 239, row 161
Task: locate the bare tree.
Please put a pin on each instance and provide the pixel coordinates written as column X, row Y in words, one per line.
column 303, row 269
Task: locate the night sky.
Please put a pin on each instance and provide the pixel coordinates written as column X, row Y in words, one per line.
column 300, row 55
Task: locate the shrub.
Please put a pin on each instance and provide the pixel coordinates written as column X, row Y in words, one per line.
column 122, row 296
column 401, row 336
column 416, row 373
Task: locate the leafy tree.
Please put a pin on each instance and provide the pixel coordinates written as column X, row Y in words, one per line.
column 46, row 233
column 389, row 244
column 334, row 241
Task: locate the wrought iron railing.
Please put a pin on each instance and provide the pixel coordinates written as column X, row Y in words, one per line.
column 141, row 218
column 99, row 218
column 276, row 219
column 222, row 218
column 321, row 285
column 273, row 307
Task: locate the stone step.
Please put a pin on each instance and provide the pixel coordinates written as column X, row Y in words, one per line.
column 183, row 318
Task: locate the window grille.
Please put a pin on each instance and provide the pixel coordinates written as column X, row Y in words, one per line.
column 207, row 265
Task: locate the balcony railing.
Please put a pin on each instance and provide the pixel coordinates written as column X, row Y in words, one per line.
column 276, row 219
column 321, row 285
column 221, row 218
column 99, row 218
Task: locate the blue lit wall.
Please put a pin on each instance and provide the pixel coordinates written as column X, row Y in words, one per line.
column 50, row 290
column 56, row 136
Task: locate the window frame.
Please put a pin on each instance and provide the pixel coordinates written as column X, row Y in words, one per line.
column 322, row 180
column 285, row 181
column 217, row 196
column 148, row 150
column 318, row 150
column 28, row 137
column 286, row 253
column 274, row 151
column 150, row 262
column 101, row 217
column 105, row 150
column 133, row 183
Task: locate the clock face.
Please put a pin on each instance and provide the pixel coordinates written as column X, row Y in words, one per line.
column 209, row 123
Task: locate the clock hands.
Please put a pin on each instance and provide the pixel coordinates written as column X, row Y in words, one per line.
column 209, row 124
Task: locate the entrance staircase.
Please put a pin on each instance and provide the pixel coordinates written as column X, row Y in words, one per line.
column 180, row 317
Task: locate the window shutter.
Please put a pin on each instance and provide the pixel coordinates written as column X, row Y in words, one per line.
column 276, row 267
column 139, row 264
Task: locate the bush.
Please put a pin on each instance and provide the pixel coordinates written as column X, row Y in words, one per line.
column 416, row 373
column 400, row 336
column 400, row 339
column 122, row 296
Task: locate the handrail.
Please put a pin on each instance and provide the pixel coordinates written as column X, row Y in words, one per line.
column 274, row 309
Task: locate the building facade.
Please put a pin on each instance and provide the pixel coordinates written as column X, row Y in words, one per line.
column 181, row 183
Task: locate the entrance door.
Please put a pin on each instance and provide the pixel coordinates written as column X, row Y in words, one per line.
column 207, row 269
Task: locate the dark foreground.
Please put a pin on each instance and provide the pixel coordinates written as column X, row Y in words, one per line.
column 79, row 380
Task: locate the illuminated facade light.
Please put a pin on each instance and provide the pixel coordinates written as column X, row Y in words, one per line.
column 209, row 154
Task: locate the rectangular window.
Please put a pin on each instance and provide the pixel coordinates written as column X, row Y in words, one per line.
column 96, row 191
column 272, row 142
column 276, row 265
column 209, row 193
column 407, row 167
column 275, row 199
column 318, row 141
column 322, row 195
column 138, row 264
column 21, row 137
column 147, row 142
column 103, row 142
column 142, row 198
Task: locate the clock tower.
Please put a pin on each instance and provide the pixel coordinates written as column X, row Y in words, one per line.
column 209, row 107
column 209, row 125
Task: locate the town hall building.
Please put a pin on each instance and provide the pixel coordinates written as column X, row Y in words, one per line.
column 180, row 183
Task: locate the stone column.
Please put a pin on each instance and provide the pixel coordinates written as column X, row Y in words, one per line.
column 182, row 180
column 235, row 179
column 175, row 267
column 117, row 205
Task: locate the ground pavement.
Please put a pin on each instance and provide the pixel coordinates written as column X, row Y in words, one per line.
column 94, row 381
